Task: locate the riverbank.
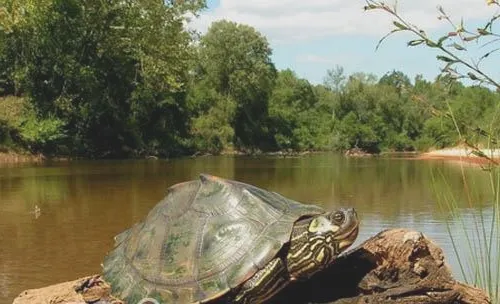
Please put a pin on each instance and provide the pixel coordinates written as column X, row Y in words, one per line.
column 464, row 154
column 14, row 157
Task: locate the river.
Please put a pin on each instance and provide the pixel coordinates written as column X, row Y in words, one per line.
column 84, row 204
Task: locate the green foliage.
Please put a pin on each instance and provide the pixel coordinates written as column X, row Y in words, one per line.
column 11, row 110
column 41, row 134
column 235, row 60
column 375, row 116
column 19, row 122
column 441, row 131
column 335, row 79
column 106, row 69
column 397, row 80
column 296, row 119
column 117, row 79
column 212, row 120
column 353, row 133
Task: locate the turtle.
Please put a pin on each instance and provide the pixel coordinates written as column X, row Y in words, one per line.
column 214, row 240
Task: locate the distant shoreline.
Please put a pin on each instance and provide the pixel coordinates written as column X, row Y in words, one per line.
column 13, row 157
column 461, row 154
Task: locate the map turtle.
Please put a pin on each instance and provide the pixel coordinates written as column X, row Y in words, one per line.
column 216, row 239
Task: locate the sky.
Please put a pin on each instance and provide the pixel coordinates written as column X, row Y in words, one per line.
column 313, row 36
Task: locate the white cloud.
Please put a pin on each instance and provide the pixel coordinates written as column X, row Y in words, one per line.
column 291, row 20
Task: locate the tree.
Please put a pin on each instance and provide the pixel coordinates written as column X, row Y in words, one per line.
column 377, row 115
column 211, row 117
column 112, row 72
column 235, row 60
column 297, row 119
column 335, row 82
column 396, row 79
column 335, row 78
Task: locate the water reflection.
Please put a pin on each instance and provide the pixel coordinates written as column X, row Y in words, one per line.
column 84, row 204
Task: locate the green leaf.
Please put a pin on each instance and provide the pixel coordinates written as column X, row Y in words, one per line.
column 441, row 10
column 442, row 39
column 470, row 38
column 431, row 43
column 370, row 7
column 416, row 42
column 458, row 47
column 472, row 76
column 445, row 59
column 447, row 67
column 483, row 32
column 400, row 26
column 479, row 153
column 387, row 35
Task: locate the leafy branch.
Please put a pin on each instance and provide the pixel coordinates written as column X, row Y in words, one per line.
column 451, row 44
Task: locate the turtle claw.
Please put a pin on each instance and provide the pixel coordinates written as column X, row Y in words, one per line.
column 88, row 283
column 95, row 290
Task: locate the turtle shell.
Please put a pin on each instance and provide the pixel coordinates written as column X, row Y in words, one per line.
column 203, row 239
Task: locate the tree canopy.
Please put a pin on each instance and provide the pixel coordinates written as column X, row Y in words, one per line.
column 128, row 78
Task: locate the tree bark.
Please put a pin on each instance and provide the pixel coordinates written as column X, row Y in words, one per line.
column 394, row 266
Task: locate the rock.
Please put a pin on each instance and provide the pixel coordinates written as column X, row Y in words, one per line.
column 395, row 266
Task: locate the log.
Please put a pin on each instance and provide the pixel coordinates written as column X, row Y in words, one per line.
column 394, row 266
column 68, row 293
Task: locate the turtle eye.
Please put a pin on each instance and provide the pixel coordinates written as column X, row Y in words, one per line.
column 338, row 217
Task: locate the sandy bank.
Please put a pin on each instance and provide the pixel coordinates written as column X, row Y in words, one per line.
column 465, row 154
column 12, row 157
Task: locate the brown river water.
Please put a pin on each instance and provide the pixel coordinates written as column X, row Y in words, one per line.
column 84, row 204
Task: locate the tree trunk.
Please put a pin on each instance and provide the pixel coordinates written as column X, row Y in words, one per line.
column 395, row 266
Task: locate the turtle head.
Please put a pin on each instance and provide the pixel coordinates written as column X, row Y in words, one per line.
column 318, row 240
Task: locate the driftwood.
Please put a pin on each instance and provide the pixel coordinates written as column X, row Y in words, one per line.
column 395, row 266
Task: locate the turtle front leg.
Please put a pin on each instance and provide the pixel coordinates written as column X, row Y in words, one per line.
column 266, row 283
column 94, row 289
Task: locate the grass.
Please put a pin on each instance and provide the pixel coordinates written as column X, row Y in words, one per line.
column 474, row 235
column 474, row 231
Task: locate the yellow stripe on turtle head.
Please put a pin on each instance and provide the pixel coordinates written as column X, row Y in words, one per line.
column 322, row 225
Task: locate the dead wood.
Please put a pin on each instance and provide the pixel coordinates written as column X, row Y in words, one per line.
column 395, row 266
